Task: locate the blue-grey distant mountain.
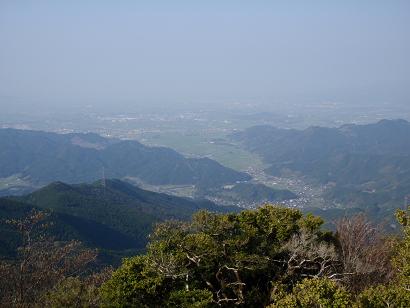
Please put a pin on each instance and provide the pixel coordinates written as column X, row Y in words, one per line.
column 43, row 157
column 368, row 164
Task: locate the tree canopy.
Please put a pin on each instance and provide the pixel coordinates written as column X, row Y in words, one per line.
column 271, row 256
column 230, row 259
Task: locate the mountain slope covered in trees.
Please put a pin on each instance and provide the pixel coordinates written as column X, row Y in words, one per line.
column 366, row 165
column 115, row 216
column 41, row 157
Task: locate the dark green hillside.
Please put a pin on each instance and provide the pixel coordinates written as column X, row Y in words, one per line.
column 387, row 137
column 62, row 227
column 82, row 199
column 41, row 158
column 9, row 239
column 368, row 164
column 115, row 216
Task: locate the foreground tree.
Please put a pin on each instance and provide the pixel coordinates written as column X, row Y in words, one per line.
column 225, row 260
column 312, row 293
column 365, row 253
column 381, row 296
column 272, row 257
column 401, row 260
column 75, row 291
column 396, row 293
column 41, row 265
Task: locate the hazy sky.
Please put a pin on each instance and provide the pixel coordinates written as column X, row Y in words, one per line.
column 168, row 52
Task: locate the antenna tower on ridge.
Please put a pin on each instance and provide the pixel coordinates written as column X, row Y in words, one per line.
column 103, row 182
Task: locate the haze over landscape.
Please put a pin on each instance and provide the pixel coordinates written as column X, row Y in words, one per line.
column 136, row 53
column 204, row 154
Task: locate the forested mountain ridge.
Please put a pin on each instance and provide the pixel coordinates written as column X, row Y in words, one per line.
column 114, row 215
column 366, row 164
column 43, row 157
column 386, row 137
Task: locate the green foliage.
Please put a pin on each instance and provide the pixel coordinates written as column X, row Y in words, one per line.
column 384, row 296
column 271, row 256
column 313, row 293
column 397, row 293
column 72, row 292
column 227, row 260
column 311, row 223
column 401, row 260
column 134, row 284
column 190, row 299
